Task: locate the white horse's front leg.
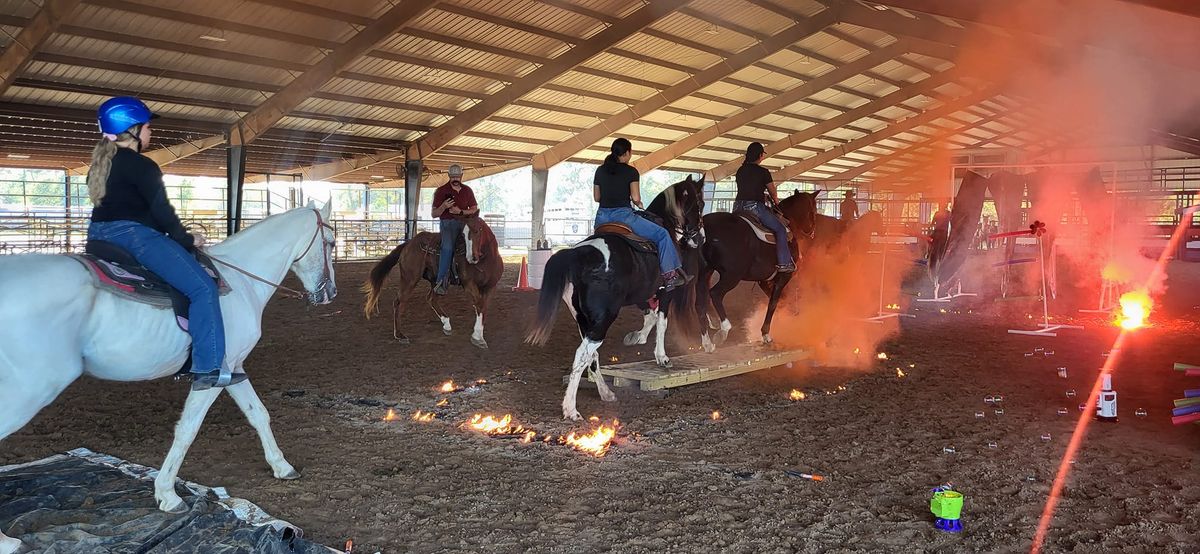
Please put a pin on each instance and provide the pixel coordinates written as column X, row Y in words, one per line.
column 639, row 337
column 660, row 342
column 8, row 545
column 583, row 358
column 251, row 405
column 194, row 410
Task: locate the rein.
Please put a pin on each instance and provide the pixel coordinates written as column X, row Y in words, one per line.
column 293, row 292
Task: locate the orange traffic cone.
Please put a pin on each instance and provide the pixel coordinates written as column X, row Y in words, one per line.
column 523, row 277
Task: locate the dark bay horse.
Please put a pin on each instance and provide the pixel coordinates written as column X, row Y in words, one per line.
column 479, row 268
column 604, row 273
column 732, row 249
column 853, row 237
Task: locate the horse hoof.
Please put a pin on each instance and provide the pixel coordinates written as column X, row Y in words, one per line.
column 767, row 339
column 291, row 475
column 572, row 416
column 173, row 505
column 631, row 338
column 480, row 343
column 721, row 336
column 664, row 361
column 403, row 340
column 9, row 545
column 707, row 343
column 446, row 332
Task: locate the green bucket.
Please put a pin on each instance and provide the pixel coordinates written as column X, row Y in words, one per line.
column 946, row 504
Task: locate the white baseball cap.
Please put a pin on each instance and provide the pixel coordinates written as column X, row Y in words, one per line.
column 455, row 171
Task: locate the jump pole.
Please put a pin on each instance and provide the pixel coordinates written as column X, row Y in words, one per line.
column 1047, row 329
column 883, row 314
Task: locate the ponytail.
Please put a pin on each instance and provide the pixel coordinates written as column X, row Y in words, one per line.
column 97, row 176
column 102, row 155
column 619, row 148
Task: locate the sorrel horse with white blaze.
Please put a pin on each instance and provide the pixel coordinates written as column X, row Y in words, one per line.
column 59, row 326
column 733, row 249
column 606, row 272
column 418, row 259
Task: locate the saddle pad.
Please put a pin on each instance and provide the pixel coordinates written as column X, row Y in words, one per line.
column 760, row 231
column 636, row 242
column 140, row 284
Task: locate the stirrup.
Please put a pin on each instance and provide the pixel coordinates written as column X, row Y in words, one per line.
column 785, row 268
column 216, row 379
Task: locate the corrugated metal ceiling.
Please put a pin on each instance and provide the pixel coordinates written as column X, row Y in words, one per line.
column 478, row 47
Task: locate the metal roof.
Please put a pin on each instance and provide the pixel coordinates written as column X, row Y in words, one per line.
column 206, row 65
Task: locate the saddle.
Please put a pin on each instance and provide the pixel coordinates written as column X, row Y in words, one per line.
column 115, row 270
column 761, row 231
column 637, row 242
column 435, row 250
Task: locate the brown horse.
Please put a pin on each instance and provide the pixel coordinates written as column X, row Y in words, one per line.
column 418, row 259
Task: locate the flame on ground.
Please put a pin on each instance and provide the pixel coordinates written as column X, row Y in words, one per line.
column 443, row 402
column 489, row 425
column 882, row 356
column 448, row 386
column 390, row 416
column 1135, row 309
column 423, row 417
column 716, row 415
column 596, row 443
column 900, row 373
column 797, row 395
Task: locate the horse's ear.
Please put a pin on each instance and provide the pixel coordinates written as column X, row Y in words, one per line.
column 310, row 204
column 328, row 209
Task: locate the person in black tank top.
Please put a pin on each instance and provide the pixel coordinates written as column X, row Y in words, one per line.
column 131, row 210
column 754, row 183
column 615, row 187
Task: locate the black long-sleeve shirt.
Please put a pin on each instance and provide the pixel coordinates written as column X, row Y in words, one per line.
column 135, row 192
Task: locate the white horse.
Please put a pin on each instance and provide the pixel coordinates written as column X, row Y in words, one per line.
column 55, row 326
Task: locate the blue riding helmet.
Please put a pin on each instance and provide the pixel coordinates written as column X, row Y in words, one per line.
column 117, row 115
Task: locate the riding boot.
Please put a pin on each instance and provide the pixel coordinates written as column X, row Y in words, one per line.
column 673, row 279
column 440, row 289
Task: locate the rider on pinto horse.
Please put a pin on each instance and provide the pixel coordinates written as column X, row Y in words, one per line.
column 615, row 187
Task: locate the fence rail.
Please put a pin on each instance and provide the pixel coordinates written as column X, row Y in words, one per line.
column 357, row 238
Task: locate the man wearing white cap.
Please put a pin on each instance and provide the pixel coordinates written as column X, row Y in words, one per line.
column 452, row 202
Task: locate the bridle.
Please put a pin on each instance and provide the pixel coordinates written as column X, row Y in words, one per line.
column 326, row 279
column 685, row 233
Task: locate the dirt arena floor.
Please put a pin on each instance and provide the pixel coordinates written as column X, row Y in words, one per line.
column 676, row 480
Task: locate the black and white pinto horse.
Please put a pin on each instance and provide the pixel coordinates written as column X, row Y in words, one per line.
column 606, row 272
column 734, row 250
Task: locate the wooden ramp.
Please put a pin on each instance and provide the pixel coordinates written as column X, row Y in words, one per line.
column 697, row 368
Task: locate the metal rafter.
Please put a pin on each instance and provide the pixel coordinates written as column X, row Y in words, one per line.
column 795, row 170
column 40, row 27
column 718, row 71
column 783, row 100
column 488, row 107
column 798, row 137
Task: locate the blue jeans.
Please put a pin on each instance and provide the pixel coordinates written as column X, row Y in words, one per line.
column 167, row 259
column 668, row 256
column 783, row 256
column 451, row 229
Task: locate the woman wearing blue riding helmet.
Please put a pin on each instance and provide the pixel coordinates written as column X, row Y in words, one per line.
column 131, row 210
